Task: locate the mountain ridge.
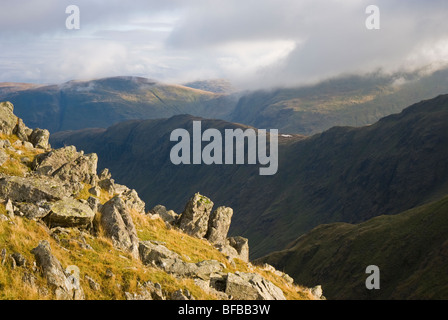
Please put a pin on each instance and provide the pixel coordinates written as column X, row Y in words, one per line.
column 343, row 174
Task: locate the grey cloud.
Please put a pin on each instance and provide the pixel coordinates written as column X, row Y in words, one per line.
column 254, row 43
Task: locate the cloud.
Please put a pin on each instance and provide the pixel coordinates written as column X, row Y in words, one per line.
column 254, row 43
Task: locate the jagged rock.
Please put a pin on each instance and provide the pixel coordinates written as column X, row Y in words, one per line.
column 181, row 295
column 39, row 138
column 118, row 225
column 67, row 164
column 218, row 225
column 157, row 254
column 21, row 130
column 104, row 174
column 108, row 185
column 4, row 144
column 49, row 162
column 133, row 201
column 3, row 157
column 57, row 279
column 29, row 279
column 69, row 213
column 251, row 286
column 33, row 211
column 317, row 292
column 95, row 286
column 241, row 245
column 31, row 189
column 94, row 204
column 95, row 191
column 194, row 218
column 155, row 289
column 142, row 295
column 160, row 256
column 8, row 120
column 9, row 208
column 80, row 170
column 168, row 216
column 19, row 259
column 147, row 291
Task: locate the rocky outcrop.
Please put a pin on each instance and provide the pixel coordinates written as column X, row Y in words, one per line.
column 31, row 189
column 68, row 165
column 11, row 124
column 49, row 193
column 218, row 225
column 241, row 245
column 8, row 120
column 132, row 200
column 65, row 287
column 169, row 216
column 117, row 224
column 251, row 286
column 158, row 255
column 194, row 218
column 69, row 213
column 39, row 138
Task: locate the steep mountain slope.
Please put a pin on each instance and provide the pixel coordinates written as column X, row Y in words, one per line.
column 410, row 248
column 103, row 102
column 348, row 100
column 69, row 233
column 343, row 174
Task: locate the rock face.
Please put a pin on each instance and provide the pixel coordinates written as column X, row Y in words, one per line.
column 62, row 285
column 118, row 225
column 251, row 286
column 168, row 216
column 194, row 218
column 159, row 256
column 68, row 165
column 11, row 124
column 31, row 189
column 69, row 213
column 8, row 120
column 132, row 200
column 218, row 225
column 39, row 138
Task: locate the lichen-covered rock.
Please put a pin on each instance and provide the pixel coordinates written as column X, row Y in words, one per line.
column 194, row 218
column 31, row 189
column 251, row 286
column 218, row 225
column 57, row 279
column 39, row 138
column 117, row 223
column 47, row 163
column 158, row 255
column 132, row 200
column 241, row 245
column 80, row 170
column 69, row 213
column 8, row 120
column 21, row 130
column 168, row 216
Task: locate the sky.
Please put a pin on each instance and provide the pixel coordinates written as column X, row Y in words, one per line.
column 252, row 43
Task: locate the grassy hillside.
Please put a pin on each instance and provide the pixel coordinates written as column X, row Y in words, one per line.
column 115, row 271
column 344, row 101
column 410, row 248
column 103, row 102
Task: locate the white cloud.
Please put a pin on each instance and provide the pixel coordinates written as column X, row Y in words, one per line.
column 255, row 43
